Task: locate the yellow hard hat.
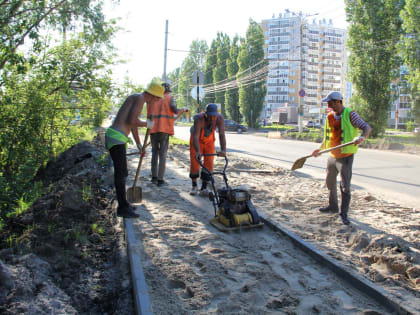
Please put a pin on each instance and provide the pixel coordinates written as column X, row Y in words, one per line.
column 155, row 89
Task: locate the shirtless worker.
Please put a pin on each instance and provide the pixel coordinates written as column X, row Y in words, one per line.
column 116, row 139
column 202, row 141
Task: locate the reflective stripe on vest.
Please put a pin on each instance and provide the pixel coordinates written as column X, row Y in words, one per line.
column 348, row 132
column 163, row 116
column 114, row 137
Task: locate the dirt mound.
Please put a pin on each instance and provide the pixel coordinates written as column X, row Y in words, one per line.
column 63, row 255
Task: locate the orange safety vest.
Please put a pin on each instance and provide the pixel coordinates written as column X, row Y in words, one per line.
column 163, row 116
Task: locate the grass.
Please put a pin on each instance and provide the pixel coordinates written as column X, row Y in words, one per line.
column 87, row 192
column 180, row 123
column 97, row 229
column 176, row 141
column 102, row 160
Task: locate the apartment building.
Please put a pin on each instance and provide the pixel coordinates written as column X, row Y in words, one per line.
column 303, row 55
column 400, row 112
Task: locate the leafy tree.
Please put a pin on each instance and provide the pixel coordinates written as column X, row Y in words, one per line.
column 220, row 71
column 372, row 37
column 252, row 74
column 194, row 62
column 22, row 21
column 42, row 93
column 122, row 92
column 232, row 93
column 411, row 50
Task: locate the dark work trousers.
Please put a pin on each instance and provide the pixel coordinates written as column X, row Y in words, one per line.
column 118, row 155
column 343, row 166
column 160, row 142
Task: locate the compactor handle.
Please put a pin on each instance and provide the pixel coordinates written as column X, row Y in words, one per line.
column 207, row 170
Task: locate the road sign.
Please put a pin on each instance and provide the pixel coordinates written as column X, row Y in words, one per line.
column 200, row 92
column 197, row 78
column 301, row 92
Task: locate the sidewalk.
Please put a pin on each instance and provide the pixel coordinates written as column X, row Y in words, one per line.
column 175, row 232
column 190, row 267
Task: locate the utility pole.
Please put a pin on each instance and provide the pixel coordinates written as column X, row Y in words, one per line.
column 165, row 53
column 188, row 91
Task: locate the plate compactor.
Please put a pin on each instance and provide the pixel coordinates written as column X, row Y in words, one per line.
column 233, row 208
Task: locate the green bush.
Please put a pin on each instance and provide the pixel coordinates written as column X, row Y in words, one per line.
column 409, row 126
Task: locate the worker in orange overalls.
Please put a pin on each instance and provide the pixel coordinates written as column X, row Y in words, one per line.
column 163, row 112
column 202, row 141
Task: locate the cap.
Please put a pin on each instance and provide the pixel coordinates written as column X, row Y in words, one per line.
column 336, row 96
column 167, row 87
column 211, row 109
column 155, row 89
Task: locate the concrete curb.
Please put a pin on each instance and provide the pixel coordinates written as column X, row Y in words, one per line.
column 141, row 296
column 355, row 280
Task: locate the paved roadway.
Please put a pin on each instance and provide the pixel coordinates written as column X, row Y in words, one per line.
column 393, row 176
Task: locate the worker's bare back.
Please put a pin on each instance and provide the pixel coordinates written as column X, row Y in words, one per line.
column 127, row 115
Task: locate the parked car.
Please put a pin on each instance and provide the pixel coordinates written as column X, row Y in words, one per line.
column 312, row 124
column 231, row 125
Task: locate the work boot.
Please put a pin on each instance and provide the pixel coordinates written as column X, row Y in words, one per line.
column 329, row 209
column 126, row 212
column 344, row 219
column 160, row 182
column 194, row 190
column 204, row 192
column 131, row 207
column 345, row 204
column 154, row 180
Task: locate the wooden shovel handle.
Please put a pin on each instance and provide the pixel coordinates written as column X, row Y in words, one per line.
column 336, row 147
column 330, row 149
column 145, row 144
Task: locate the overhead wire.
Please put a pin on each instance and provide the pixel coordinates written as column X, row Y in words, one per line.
column 232, row 82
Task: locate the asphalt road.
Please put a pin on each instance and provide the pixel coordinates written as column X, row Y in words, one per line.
column 390, row 175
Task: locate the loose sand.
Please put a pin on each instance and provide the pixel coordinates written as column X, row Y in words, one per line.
column 191, row 267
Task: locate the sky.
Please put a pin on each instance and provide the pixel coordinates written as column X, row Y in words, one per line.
column 142, row 43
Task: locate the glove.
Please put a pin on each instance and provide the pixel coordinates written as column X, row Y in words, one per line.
column 150, row 123
column 358, row 140
column 315, row 153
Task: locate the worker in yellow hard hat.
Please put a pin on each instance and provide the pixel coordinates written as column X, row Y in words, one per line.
column 116, row 139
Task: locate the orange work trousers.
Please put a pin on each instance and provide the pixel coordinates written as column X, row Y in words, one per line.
column 206, row 147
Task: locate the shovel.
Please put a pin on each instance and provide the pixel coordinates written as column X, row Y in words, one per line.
column 134, row 194
column 299, row 162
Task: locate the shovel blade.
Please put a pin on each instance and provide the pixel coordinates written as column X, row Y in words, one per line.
column 134, row 194
column 298, row 163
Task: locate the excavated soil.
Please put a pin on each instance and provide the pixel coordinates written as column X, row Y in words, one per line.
column 66, row 254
